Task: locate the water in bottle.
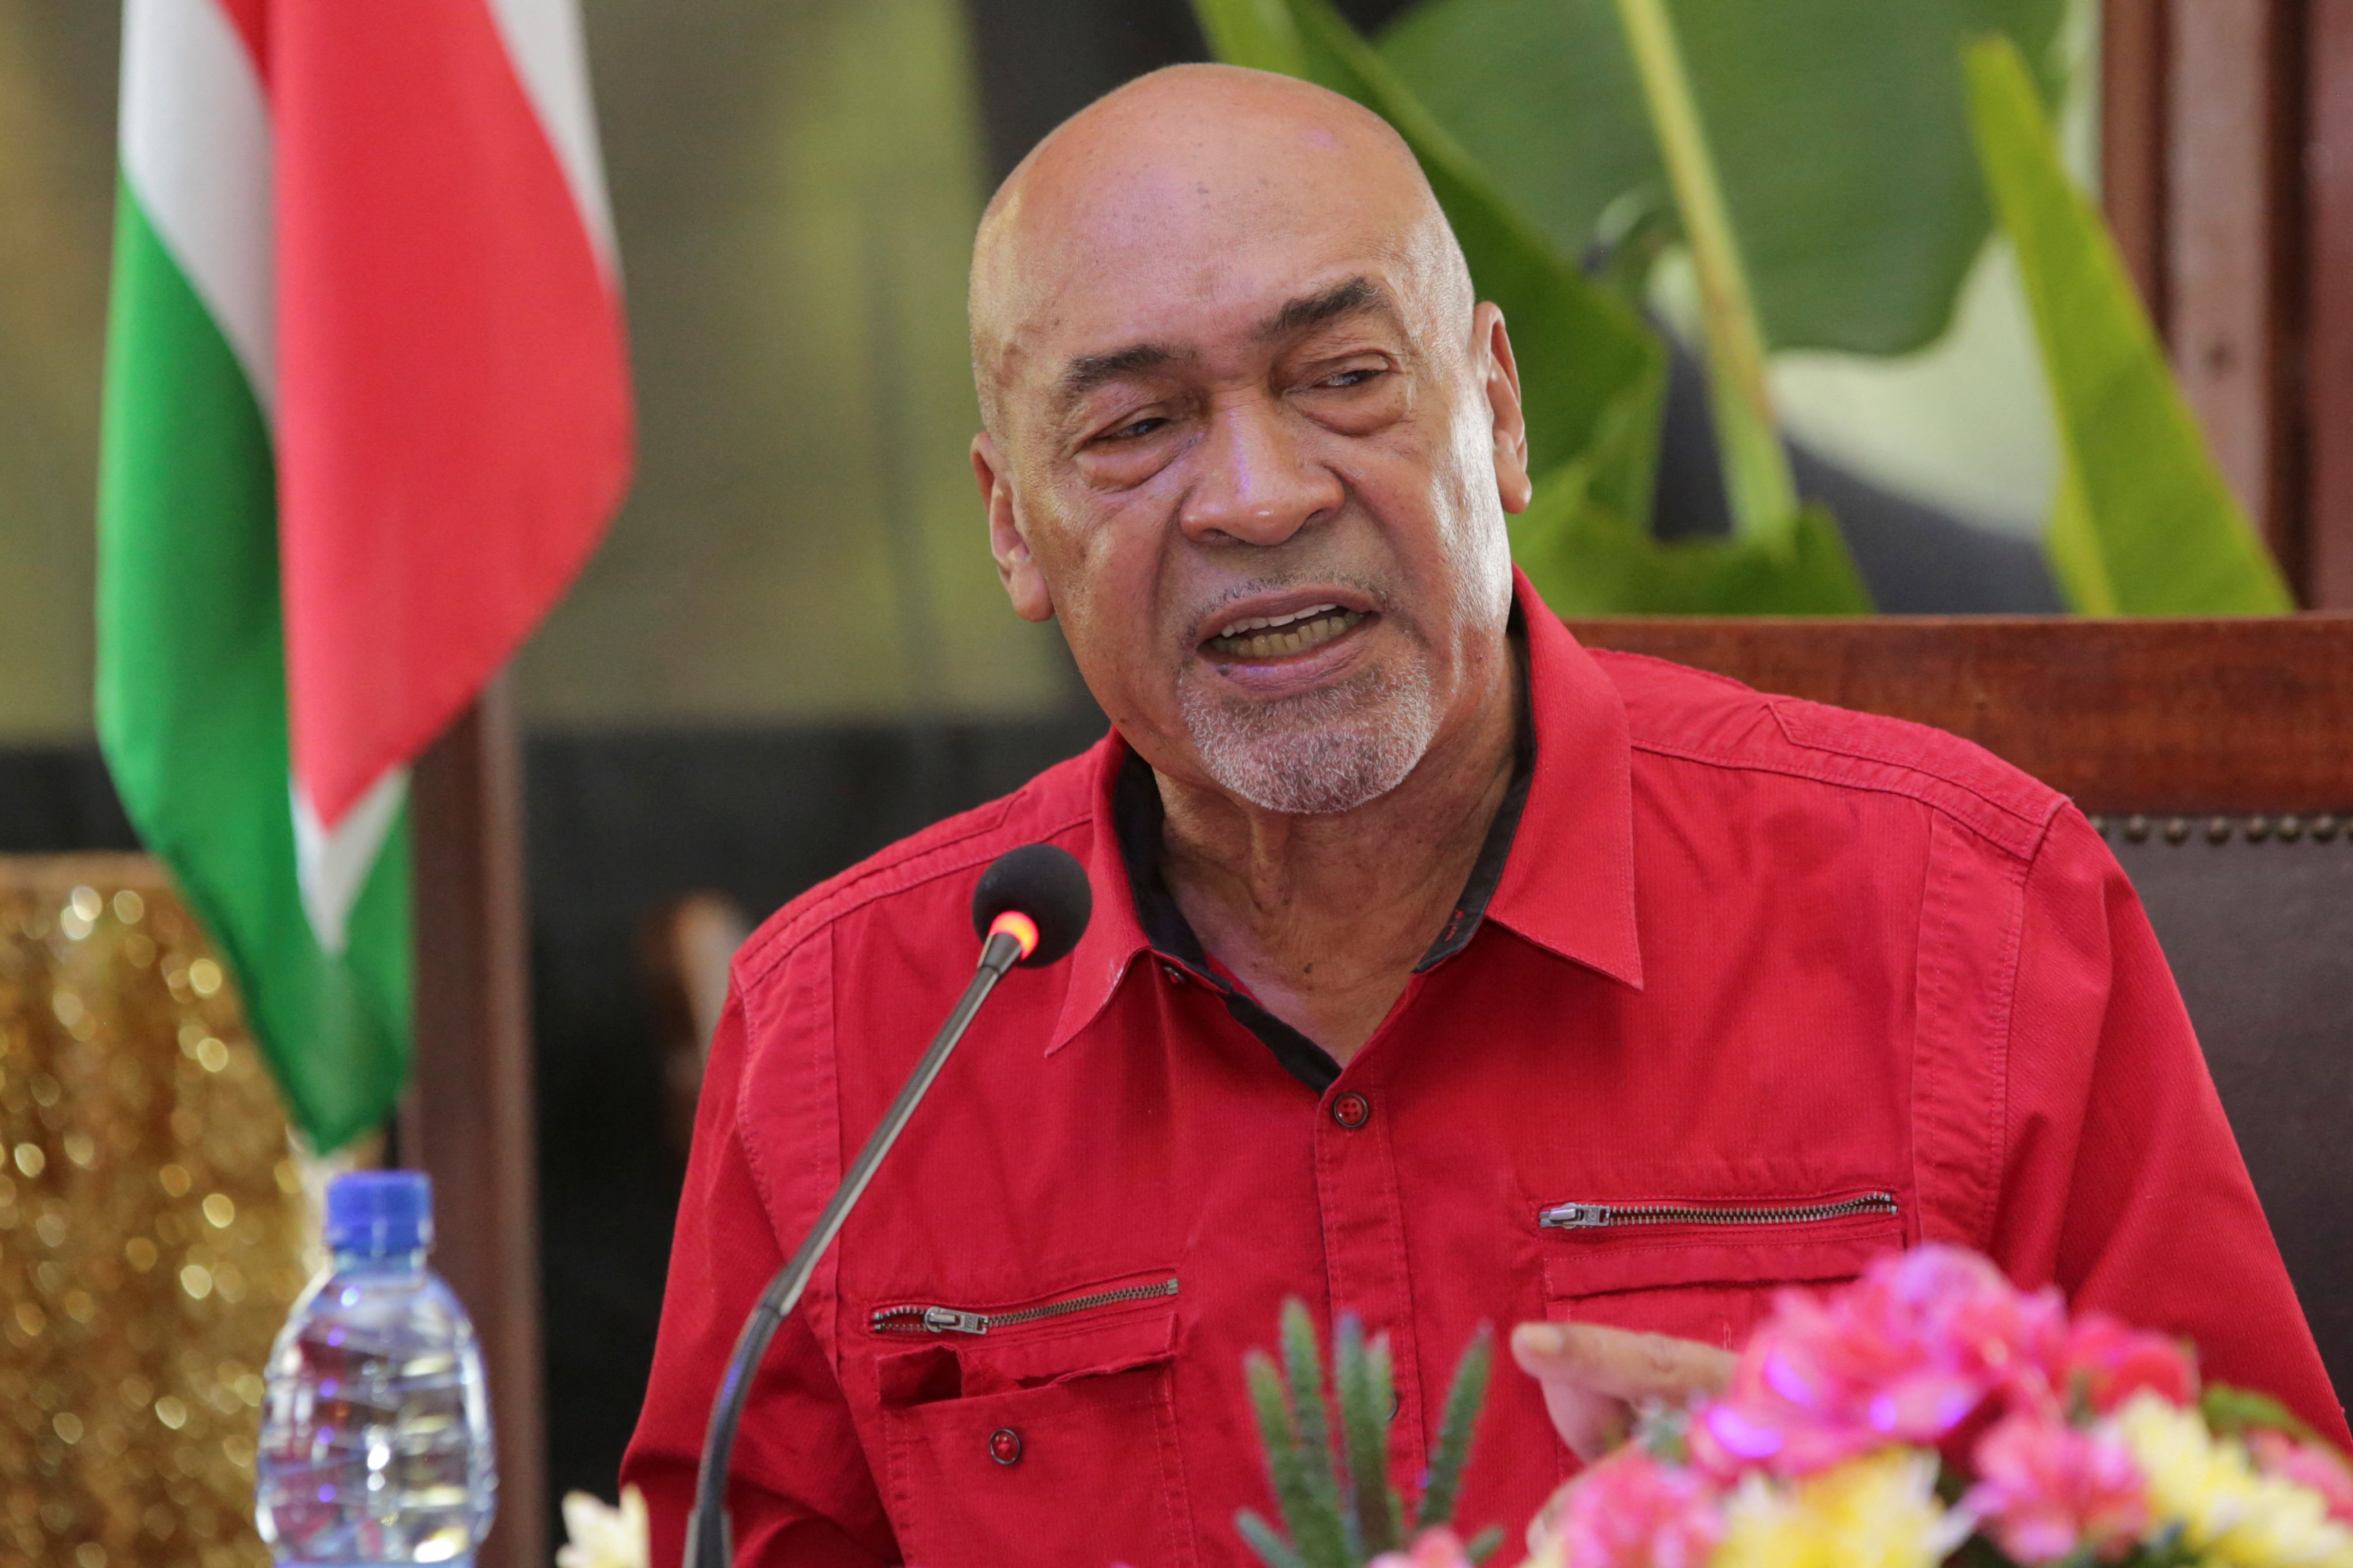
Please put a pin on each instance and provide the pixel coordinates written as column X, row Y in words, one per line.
column 375, row 1432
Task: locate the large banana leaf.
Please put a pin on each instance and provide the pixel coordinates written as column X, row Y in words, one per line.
column 1839, row 127
column 1588, row 561
column 1592, row 372
column 2145, row 525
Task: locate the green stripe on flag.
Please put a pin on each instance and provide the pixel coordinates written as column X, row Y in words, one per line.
column 192, row 697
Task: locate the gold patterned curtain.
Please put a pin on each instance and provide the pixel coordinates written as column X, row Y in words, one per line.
column 153, row 1226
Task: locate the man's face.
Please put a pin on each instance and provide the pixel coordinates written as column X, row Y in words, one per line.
column 1249, row 449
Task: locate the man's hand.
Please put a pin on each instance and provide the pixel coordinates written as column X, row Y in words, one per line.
column 1593, row 1376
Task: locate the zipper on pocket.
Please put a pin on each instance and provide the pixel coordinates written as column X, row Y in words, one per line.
column 916, row 1318
column 1607, row 1217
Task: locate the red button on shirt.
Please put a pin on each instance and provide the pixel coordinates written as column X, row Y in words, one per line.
column 1746, row 952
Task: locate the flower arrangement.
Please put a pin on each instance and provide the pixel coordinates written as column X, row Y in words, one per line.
column 599, row 1535
column 1932, row 1413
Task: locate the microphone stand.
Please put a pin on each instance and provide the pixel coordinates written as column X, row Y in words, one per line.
column 710, row 1542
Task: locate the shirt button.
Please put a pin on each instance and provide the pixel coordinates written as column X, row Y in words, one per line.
column 1176, row 976
column 1352, row 1110
column 1005, row 1445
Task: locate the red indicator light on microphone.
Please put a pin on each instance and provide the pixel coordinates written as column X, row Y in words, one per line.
column 1017, row 926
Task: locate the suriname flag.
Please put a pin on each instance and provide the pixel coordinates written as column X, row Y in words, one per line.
column 366, row 415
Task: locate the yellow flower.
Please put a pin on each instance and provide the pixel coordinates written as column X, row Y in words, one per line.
column 2228, row 1513
column 602, row 1536
column 1545, row 1550
column 1877, row 1511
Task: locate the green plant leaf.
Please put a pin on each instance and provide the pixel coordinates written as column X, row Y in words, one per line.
column 1271, row 1549
column 1291, row 1410
column 1757, row 479
column 1586, row 560
column 2072, row 548
column 1315, row 1531
column 1481, row 1546
column 1840, row 126
column 1302, row 1365
column 1361, row 1372
column 2146, row 525
column 1258, row 34
column 1464, row 1398
column 2233, row 1412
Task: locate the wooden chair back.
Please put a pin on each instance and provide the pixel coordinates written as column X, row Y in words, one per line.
column 684, row 946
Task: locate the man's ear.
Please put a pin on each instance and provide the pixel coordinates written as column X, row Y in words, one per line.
column 1504, row 398
column 1025, row 585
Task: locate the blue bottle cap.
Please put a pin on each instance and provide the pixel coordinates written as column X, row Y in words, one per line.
column 380, row 1214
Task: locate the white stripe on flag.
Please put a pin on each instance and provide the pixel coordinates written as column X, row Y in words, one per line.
column 551, row 58
column 333, row 864
column 196, row 153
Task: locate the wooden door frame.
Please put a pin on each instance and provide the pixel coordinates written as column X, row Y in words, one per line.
column 2226, row 161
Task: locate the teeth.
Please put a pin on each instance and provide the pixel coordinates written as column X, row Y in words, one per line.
column 1269, row 640
column 1259, row 622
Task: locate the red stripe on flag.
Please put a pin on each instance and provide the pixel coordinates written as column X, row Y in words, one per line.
column 454, row 418
column 251, row 20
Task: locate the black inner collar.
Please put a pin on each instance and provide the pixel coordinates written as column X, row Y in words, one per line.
column 1138, row 818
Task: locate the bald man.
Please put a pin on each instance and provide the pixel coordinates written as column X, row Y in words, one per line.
column 1441, row 973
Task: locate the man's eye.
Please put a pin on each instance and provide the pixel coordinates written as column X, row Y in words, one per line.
column 1135, row 429
column 1357, row 377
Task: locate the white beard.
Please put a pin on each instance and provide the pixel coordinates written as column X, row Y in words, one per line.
column 1326, row 750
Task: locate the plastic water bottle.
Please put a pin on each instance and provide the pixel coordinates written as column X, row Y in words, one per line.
column 376, row 1430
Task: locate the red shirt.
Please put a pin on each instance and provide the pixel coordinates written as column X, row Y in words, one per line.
column 1741, row 952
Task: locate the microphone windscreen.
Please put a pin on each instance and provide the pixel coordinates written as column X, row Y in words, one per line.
column 1045, row 883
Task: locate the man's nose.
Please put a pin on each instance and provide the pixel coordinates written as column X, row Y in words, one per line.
column 1253, row 481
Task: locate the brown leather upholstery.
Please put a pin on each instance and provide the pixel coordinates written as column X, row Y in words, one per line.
column 2260, row 939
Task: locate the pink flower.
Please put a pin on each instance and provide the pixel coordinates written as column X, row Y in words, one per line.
column 2309, row 1465
column 1435, row 1548
column 2105, row 1362
column 2046, row 1490
column 1905, row 1354
column 1630, row 1510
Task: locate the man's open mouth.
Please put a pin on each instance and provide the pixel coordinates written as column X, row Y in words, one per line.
column 1277, row 636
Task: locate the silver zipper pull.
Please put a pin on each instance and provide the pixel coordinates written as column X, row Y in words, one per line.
column 1576, row 1216
column 945, row 1320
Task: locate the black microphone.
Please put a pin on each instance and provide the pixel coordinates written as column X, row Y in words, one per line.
column 1031, row 909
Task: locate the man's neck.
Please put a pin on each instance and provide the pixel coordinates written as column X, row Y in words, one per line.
column 1323, row 918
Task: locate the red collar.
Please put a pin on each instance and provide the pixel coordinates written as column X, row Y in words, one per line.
column 1567, row 885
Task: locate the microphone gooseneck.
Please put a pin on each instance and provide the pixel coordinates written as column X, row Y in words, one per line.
column 1031, row 908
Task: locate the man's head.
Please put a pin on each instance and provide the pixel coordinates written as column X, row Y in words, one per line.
column 1249, row 434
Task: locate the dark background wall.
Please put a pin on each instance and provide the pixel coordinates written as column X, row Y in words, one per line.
column 618, row 825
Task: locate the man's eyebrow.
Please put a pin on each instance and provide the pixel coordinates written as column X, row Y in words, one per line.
column 1087, row 371
column 1354, row 297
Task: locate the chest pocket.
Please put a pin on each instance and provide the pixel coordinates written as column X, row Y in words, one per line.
column 1048, row 1441
column 1705, row 1268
